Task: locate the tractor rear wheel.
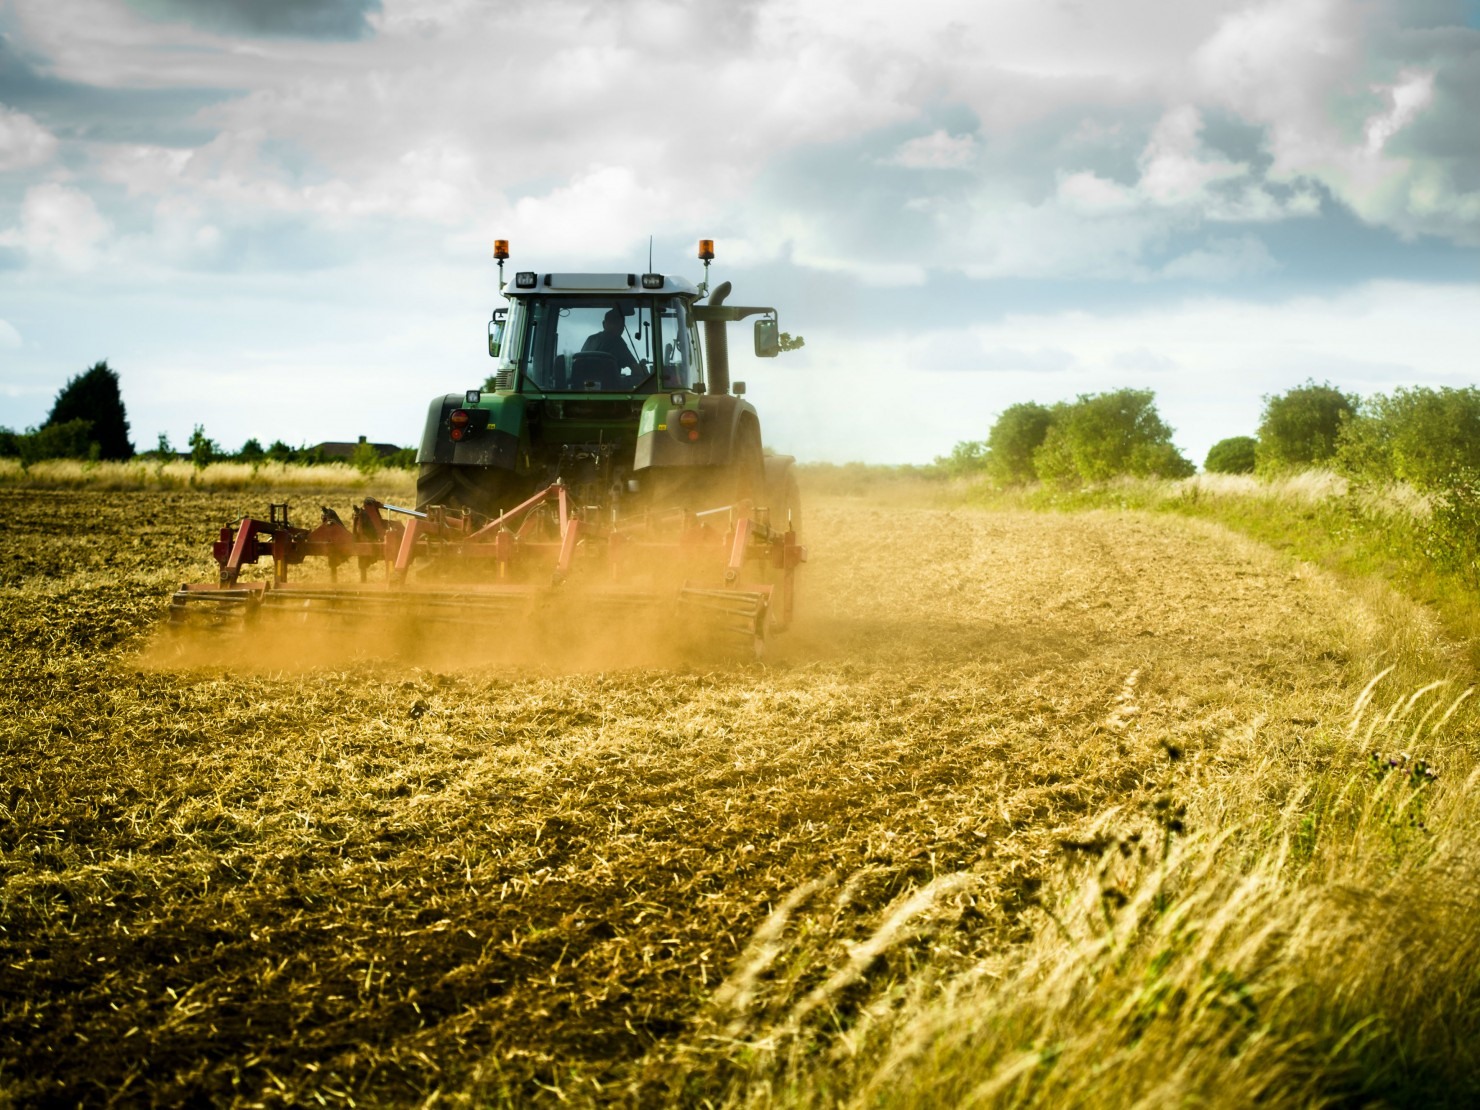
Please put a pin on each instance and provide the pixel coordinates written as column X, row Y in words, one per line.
column 487, row 490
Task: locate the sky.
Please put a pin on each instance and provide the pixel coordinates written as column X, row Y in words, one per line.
column 275, row 218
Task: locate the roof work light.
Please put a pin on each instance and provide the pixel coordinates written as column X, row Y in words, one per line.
column 500, row 252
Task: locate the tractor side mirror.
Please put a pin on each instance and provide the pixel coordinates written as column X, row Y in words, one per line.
column 496, row 331
column 767, row 337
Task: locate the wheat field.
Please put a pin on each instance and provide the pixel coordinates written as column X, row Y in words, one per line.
column 1028, row 809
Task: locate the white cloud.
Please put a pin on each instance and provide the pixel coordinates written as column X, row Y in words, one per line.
column 24, row 143
column 1174, row 166
column 936, row 151
column 1304, row 70
column 1412, row 93
column 10, row 339
column 1222, row 259
column 60, row 225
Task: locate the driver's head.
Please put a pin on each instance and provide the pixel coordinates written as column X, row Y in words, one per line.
column 612, row 321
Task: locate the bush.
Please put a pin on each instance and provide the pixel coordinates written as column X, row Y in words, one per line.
column 1420, row 436
column 365, row 458
column 402, row 459
column 1454, row 526
column 71, row 440
column 1299, row 428
column 1017, row 434
column 966, row 458
column 1104, row 435
column 1234, row 455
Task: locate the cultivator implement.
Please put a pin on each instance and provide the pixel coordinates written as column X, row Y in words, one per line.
column 727, row 570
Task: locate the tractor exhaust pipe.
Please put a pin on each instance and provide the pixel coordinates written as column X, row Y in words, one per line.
column 716, row 344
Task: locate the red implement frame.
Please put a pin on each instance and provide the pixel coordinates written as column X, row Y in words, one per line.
column 534, row 547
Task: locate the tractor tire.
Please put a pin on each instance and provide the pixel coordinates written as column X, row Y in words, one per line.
column 745, row 478
column 486, row 490
column 700, row 489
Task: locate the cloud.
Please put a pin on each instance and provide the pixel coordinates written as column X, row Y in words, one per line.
column 1222, row 259
column 935, row 151
column 325, row 19
column 60, row 225
column 10, row 339
column 1412, row 93
column 1144, row 360
column 24, row 143
column 1175, row 168
column 1333, row 85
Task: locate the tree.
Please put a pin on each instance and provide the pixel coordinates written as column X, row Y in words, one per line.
column 202, row 449
column 1103, row 435
column 1234, row 455
column 251, row 452
column 1420, row 436
column 1300, row 427
column 1018, row 432
column 69, row 440
column 163, row 447
column 365, row 458
column 791, row 342
column 94, row 396
column 967, row 457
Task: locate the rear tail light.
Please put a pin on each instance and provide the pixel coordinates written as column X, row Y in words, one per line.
column 688, row 420
column 458, row 421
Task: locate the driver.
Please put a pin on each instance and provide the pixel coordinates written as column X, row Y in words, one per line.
column 610, row 341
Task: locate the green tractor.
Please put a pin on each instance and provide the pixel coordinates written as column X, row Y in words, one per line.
column 603, row 386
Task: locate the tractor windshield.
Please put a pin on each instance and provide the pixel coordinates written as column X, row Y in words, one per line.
column 606, row 345
column 590, row 344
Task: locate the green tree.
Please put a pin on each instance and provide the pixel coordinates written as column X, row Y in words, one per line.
column 967, row 457
column 202, row 449
column 1103, row 435
column 69, row 440
column 365, row 458
column 791, row 342
column 1299, row 428
column 1234, row 455
column 251, row 452
column 1420, row 436
column 280, row 452
column 1016, row 435
column 10, row 445
column 163, row 448
column 94, row 396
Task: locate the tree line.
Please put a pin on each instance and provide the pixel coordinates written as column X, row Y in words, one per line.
column 1427, row 438
column 89, row 421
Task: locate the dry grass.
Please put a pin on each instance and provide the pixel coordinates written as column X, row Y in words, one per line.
column 1028, row 808
column 148, row 474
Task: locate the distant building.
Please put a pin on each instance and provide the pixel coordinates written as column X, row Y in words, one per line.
column 338, row 450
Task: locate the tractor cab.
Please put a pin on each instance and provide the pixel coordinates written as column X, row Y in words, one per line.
column 596, row 333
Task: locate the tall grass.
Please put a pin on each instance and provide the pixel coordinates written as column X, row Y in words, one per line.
column 146, row 474
column 1317, row 952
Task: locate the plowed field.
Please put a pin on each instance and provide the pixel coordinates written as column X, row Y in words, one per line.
column 377, row 880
